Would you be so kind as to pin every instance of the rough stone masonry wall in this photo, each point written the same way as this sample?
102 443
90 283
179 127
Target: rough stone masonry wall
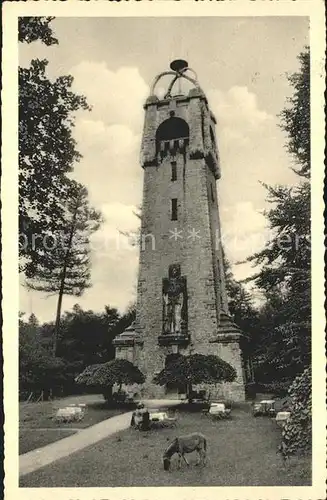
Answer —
195 256
231 353
199 269
159 249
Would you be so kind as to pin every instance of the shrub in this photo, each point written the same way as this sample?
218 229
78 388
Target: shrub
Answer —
251 390
296 434
195 369
279 388
105 375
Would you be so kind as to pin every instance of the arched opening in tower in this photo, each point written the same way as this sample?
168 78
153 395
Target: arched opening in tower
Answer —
172 136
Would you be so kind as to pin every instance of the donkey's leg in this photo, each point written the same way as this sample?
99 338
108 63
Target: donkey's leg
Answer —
201 460
185 459
204 452
179 460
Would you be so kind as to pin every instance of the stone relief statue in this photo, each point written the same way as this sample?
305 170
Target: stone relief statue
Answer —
174 302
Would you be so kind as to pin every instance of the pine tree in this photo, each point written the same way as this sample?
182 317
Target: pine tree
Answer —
66 267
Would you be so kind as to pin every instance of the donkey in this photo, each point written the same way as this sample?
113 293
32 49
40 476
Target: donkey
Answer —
186 444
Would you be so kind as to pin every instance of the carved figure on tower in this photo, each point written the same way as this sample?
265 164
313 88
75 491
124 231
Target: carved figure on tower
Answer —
174 302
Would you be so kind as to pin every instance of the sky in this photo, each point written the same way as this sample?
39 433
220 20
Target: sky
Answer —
242 66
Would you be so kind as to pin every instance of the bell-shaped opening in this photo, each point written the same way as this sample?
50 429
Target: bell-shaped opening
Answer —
173 128
172 136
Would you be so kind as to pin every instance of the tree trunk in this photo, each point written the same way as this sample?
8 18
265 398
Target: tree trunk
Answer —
46 395
62 285
107 393
58 314
189 391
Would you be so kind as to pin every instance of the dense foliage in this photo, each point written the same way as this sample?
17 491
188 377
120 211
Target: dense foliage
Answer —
31 29
195 369
55 218
47 149
86 339
68 254
240 303
116 371
297 432
296 116
284 347
38 370
66 267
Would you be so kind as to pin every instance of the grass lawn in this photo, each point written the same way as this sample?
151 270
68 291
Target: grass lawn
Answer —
241 452
38 428
35 438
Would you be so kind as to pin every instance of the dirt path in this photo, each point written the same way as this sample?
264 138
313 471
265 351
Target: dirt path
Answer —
35 459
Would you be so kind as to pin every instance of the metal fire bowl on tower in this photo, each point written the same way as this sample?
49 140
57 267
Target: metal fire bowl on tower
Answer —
178 65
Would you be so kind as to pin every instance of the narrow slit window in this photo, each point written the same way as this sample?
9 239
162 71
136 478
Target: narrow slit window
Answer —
212 193
173 171
174 209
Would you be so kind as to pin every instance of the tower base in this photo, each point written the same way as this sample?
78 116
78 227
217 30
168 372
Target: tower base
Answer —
225 344
231 391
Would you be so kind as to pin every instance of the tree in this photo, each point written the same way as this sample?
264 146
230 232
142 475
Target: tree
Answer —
286 259
87 374
31 29
285 262
297 431
86 340
195 369
86 336
116 371
66 269
283 347
295 118
38 371
285 278
240 302
47 149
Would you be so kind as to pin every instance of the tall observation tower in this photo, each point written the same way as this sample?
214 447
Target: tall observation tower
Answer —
181 296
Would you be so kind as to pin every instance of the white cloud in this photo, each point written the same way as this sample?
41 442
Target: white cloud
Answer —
238 108
110 164
245 218
244 231
120 221
122 216
249 147
95 134
116 97
238 115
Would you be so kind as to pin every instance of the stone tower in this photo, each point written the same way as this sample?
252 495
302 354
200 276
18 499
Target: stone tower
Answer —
181 297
